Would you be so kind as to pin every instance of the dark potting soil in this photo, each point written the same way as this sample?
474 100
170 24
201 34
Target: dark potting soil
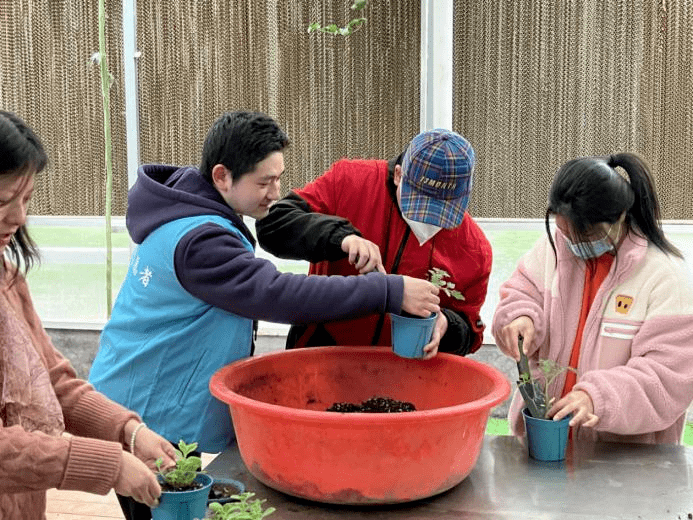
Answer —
219 491
374 405
177 489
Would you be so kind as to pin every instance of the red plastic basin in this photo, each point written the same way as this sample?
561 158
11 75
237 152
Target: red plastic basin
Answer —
290 443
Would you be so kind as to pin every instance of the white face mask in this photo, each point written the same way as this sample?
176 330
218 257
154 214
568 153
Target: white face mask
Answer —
422 231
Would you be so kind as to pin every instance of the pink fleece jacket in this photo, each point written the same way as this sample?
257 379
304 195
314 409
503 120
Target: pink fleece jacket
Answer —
32 462
636 356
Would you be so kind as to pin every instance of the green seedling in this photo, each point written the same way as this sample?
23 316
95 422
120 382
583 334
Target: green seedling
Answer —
187 466
533 390
243 509
437 277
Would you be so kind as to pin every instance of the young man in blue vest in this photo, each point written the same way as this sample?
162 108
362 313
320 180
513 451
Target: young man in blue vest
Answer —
195 288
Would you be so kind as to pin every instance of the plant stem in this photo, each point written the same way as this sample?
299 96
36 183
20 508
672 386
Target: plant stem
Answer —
105 93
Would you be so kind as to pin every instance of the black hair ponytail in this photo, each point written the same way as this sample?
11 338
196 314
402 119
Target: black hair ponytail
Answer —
644 215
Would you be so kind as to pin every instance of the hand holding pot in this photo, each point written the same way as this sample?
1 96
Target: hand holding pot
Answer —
150 446
579 403
522 326
420 297
136 480
441 326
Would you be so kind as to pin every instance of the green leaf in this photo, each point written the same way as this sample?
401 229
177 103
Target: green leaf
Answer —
355 23
244 509
313 27
358 5
457 295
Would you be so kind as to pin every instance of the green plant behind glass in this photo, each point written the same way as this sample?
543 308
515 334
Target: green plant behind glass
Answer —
342 31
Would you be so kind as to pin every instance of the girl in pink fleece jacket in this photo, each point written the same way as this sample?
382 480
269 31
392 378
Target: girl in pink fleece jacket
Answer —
608 294
40 395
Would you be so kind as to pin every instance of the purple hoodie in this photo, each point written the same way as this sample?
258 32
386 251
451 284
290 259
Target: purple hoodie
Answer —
213 265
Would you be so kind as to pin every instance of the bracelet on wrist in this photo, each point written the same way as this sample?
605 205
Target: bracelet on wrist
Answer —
134 435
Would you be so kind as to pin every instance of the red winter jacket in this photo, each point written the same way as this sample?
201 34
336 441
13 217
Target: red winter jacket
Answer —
358 196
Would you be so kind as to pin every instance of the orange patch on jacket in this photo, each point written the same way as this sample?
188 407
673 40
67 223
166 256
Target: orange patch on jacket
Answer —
623 303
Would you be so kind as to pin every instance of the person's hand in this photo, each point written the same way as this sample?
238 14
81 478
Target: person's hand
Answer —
439 330
364 255
136 480
150 446
508 340
420 297
580 404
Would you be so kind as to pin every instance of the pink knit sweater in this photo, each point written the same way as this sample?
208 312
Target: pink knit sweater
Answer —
32 462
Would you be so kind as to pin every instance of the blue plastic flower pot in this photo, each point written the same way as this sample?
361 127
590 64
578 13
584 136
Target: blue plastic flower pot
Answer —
184 505
547 439
239 487
410 335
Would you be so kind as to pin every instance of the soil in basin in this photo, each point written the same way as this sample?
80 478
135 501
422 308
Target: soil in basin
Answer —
375 404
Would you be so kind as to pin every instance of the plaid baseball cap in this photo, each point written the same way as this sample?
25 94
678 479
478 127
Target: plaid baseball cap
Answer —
437 178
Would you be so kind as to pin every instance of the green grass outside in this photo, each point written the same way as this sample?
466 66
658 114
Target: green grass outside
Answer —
497 427
78 292
64 236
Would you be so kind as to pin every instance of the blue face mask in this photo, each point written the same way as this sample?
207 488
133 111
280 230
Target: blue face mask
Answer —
593 249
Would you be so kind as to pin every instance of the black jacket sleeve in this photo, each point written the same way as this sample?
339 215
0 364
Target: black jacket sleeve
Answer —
458 338
291 230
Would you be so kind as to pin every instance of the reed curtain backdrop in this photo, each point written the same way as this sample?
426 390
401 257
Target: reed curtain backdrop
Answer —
540 82
535 82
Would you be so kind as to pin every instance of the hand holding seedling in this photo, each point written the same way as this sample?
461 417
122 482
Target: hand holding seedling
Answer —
522 326
577 402
364 255
420 297
150 446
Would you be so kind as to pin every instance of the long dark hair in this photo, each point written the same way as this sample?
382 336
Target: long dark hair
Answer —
589 190
21 154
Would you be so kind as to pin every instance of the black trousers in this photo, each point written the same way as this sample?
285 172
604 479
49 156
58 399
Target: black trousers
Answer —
134 510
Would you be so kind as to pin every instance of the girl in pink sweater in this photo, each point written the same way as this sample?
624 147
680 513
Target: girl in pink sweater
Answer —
609 295
40 395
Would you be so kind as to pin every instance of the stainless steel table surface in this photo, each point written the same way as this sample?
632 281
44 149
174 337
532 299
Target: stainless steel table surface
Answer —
596 481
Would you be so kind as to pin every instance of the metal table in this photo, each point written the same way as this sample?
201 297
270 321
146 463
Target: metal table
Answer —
596 481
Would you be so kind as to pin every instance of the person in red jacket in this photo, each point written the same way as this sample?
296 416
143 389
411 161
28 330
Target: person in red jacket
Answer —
405 216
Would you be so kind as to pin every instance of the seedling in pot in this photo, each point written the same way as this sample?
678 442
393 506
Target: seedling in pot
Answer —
438 277
182 477
244 509
533 390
